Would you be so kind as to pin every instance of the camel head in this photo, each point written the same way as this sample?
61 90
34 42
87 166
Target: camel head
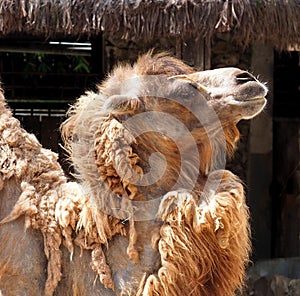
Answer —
206 105
233 93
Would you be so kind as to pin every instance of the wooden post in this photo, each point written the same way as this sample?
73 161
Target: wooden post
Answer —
197 53
260 158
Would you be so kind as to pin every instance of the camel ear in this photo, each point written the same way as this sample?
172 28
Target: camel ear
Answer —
119 105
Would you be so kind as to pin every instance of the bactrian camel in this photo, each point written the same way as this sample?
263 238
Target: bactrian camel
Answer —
153 211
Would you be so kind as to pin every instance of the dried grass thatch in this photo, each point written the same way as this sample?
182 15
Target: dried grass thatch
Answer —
274 21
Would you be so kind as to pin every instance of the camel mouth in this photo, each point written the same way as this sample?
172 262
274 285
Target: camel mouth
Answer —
250 99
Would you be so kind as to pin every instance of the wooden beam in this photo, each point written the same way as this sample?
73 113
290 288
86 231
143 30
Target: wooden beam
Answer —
260 158
55 48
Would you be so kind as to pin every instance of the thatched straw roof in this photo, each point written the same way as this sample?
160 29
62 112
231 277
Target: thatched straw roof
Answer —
276 21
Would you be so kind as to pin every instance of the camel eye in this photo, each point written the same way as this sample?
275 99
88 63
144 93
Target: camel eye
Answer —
187 91
185 96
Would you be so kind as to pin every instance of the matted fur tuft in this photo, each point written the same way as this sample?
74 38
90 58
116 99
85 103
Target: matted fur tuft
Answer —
33 185
204 242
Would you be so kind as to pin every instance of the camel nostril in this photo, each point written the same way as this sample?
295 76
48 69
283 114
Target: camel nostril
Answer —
244 77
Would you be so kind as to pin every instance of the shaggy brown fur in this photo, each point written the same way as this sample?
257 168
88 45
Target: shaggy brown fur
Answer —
33 185
202 237
191 234
33 175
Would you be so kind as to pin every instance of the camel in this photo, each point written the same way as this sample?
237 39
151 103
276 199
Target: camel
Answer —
153 211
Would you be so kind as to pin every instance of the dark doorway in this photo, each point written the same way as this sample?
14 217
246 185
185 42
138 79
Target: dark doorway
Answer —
286 155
